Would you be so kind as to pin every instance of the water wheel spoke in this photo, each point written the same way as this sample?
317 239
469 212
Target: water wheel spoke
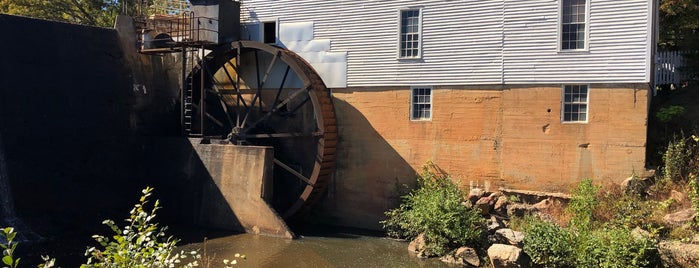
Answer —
269 69
235 85
276 108
209 116
282 135
214 86
281 85
292 171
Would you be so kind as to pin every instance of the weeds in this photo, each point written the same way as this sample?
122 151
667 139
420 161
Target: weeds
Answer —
435 209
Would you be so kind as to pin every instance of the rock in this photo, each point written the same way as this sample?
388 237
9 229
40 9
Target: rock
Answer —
519 210
639 233
543 205
509 236
486 204
464 256
680 217
677 254
418 244
679 196
475 194
635 185
494 224
500 206
506 256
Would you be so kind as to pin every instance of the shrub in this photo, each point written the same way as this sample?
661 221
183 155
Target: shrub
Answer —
582 204
141 243
548 244
679 160
589 242
620 248
435 208
666 114
8 246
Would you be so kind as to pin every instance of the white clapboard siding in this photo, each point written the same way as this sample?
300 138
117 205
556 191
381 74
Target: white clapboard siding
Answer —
473 42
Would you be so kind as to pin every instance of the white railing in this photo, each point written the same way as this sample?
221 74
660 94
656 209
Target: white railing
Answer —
668 68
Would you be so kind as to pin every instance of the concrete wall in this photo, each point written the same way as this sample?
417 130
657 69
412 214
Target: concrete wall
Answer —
242 175
491 137
79 118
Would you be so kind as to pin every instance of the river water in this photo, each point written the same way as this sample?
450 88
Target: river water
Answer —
331 250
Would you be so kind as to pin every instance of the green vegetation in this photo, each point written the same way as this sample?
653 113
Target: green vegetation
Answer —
8 246
588 242
435 209
141 243
100 13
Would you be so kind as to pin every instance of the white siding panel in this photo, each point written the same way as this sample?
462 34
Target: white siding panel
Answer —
471 42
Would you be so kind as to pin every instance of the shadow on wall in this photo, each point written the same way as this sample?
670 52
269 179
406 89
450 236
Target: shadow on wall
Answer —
370 174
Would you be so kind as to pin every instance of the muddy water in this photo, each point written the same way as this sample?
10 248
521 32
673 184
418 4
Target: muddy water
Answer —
338 250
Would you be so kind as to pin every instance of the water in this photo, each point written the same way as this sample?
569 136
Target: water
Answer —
338 250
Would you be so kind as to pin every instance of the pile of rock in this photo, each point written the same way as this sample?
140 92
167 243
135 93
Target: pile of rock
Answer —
504 244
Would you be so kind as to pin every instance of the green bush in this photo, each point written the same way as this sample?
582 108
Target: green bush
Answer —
8 246
588 242
666 114
435 208
141 243
582 204
679 160
548 244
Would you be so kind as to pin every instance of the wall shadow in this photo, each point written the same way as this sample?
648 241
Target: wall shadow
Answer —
370 175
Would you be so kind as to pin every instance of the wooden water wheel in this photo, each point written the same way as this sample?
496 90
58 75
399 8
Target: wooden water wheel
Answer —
251 93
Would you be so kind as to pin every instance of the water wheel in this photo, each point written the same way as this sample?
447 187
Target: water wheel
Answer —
251 93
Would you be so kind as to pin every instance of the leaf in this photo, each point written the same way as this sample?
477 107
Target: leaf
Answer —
7 260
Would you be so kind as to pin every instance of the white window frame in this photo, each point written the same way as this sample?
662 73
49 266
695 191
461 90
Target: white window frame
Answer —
572 102
413 104
559 42
400 34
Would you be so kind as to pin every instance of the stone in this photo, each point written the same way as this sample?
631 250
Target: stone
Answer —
464 256
678 254
506 256
519 210
494 224
418 244
678 196
635 185
639 233
500 206
680 217
475 194
419 247
543 205
486 204
509 236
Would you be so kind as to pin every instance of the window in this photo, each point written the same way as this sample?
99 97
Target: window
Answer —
575 100
421 103
269 32
573 24
409 44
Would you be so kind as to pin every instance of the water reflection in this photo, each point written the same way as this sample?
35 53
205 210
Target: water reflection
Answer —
313 251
